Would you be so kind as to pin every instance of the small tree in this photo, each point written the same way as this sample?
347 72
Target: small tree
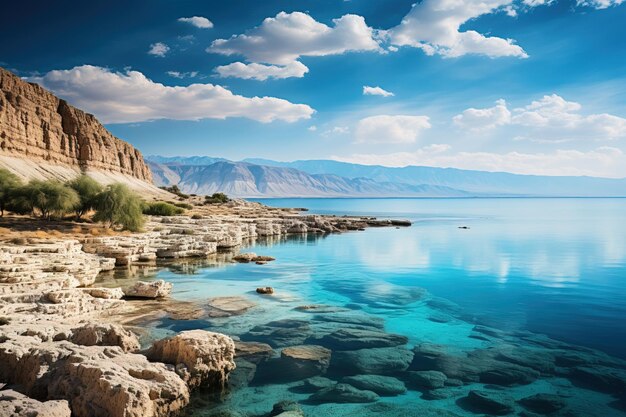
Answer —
216 198
51 198
88 190
118 205
9 182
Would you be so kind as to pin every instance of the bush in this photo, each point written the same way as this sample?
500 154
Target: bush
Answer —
50 198
175 190
184 206
9 182
88 190
161 208
216 198
118 205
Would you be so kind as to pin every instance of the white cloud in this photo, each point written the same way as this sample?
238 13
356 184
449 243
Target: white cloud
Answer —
551 118
599 4
391 129
602 162
376 91
197 21
336 130
434 26
262 72
312 128
116 97
283 39
181 75
484 119
159 49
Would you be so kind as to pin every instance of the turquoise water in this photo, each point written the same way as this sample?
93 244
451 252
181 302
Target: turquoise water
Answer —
529 299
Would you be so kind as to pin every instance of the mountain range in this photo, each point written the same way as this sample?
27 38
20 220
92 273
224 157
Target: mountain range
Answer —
327 178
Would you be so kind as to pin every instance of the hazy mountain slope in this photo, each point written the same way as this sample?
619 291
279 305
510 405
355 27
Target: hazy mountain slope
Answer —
499 183
249 180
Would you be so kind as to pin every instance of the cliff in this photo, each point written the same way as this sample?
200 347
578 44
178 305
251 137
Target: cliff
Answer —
36 126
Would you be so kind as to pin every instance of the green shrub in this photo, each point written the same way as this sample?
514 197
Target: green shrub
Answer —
161 208
216 198
51 198
175 190
118 205
184 206
9 182
88 190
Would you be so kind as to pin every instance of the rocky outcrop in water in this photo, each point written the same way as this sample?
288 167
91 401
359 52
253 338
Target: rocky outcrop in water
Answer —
36 125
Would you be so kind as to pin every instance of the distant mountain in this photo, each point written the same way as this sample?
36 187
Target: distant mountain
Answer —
481 182
324 178
242 179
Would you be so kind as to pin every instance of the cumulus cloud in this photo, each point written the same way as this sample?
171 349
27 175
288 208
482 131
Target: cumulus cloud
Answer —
197 21
434 26
599 4
336 130
376 91
116 97
600 162
283 39
551 118
158 49
391 129
262 72
484 119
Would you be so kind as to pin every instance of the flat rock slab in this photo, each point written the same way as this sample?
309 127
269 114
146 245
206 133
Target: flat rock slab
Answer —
229 306
353 339
343 393
381 385
380 361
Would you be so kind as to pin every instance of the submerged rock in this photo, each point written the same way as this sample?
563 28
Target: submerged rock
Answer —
381 385
154 289
317 383
428 379
379 361
352 339
229 306
343 393
305 361
254 352
490 403
265 290
280 333
543 403
201 358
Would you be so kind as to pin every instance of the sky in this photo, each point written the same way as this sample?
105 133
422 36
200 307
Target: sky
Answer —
524 86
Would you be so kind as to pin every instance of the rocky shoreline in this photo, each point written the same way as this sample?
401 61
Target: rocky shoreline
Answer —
62 350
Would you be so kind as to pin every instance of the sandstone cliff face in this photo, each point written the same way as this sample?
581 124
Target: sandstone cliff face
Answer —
36 125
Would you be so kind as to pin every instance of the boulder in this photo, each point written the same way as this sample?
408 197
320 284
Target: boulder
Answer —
428 379
201 358
379 361
14 404
343 393
305 361
489 403
97 381
153 289
104 335
381 385
254 352
265 290
353 339
543 403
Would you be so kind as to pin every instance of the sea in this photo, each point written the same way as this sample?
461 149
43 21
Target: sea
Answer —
504 306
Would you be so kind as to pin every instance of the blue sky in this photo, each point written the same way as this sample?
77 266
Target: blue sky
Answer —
528 86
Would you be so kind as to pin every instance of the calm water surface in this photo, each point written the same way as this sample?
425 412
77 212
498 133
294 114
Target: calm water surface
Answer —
528 267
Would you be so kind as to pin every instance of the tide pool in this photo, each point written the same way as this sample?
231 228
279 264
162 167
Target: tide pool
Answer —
520 300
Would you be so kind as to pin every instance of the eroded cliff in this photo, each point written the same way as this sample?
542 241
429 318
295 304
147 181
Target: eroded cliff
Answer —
35 125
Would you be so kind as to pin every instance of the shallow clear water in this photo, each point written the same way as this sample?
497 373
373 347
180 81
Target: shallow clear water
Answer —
526 267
